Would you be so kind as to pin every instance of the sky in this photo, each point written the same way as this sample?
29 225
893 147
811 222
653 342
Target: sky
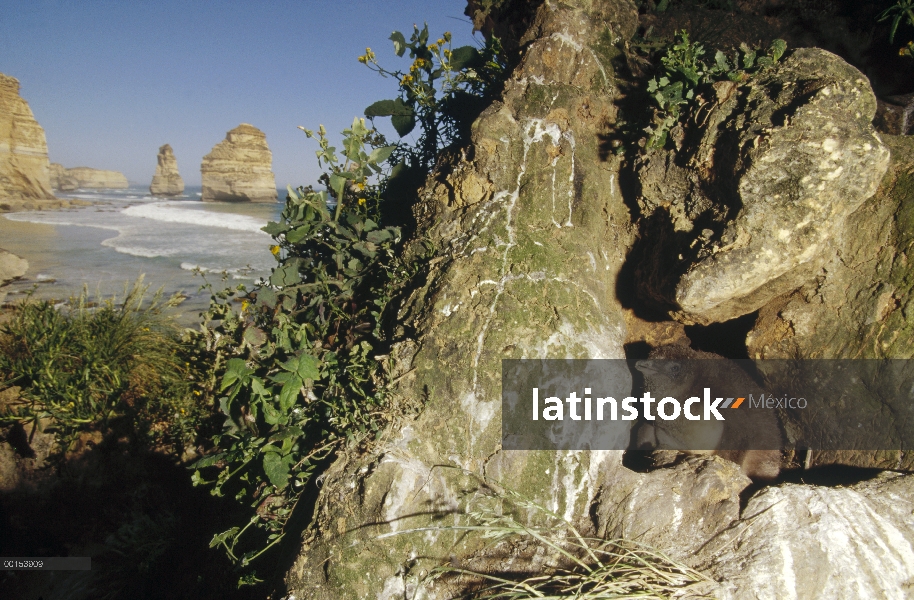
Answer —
111 81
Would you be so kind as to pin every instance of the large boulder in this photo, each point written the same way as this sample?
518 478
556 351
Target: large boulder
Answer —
166 181
23 148
805 542
781 163
239 168
11 267
859 305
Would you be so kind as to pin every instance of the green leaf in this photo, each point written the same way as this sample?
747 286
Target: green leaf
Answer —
307 367
221 538
270 414
381 235
777 50
399 42
464 57
285 275
289 393
387 108
298 234
274 229
267 297
207 461
403 124
379 155
235 370
287 432
276 469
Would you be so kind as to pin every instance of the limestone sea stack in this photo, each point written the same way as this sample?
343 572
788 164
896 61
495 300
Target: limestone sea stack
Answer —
166 181
87 178
61 180
24 167
239 168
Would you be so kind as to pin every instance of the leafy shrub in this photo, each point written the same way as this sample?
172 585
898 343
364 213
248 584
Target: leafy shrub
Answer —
684 73
85 366
301 367
445 111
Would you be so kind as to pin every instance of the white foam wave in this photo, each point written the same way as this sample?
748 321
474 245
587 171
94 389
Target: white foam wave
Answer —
138 250
168 213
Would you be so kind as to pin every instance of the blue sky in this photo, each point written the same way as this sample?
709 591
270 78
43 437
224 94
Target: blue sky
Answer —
111 81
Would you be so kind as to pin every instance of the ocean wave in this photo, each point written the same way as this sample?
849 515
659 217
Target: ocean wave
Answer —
168 213
138 250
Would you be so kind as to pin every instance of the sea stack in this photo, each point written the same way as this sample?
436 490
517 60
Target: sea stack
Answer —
166 181
24 166
239 168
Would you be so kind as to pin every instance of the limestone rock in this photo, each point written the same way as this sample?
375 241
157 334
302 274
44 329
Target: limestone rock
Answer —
11 267
61 180
859 306
786 158
239 168
531 233
23 147
166 181
804 542
87 178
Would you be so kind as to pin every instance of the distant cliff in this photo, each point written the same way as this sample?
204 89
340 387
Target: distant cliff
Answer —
167 180
239 168
98 178
23 148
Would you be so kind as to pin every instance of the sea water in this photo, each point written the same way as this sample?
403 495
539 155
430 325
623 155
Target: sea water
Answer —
128 233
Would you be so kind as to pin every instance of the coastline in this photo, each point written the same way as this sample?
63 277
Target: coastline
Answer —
10 205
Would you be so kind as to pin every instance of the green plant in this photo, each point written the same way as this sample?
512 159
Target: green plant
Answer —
897 12
684 73
442 91
583 567
88 364
301 368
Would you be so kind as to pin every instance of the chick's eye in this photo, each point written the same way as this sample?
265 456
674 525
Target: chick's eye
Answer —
674 369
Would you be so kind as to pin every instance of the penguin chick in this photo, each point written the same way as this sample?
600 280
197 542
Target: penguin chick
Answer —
682 372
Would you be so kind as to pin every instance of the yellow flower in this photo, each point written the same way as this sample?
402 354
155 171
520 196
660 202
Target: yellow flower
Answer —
363 59
244 305
275 250
406 80
196 393
360 185
440 42
447 54
369 54
361 201
434 47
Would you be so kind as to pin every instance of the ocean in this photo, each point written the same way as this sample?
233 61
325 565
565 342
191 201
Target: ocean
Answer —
129 233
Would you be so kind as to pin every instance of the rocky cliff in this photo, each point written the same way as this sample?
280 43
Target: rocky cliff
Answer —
543 242
239 168
166 181
23 148
97 178
61 180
